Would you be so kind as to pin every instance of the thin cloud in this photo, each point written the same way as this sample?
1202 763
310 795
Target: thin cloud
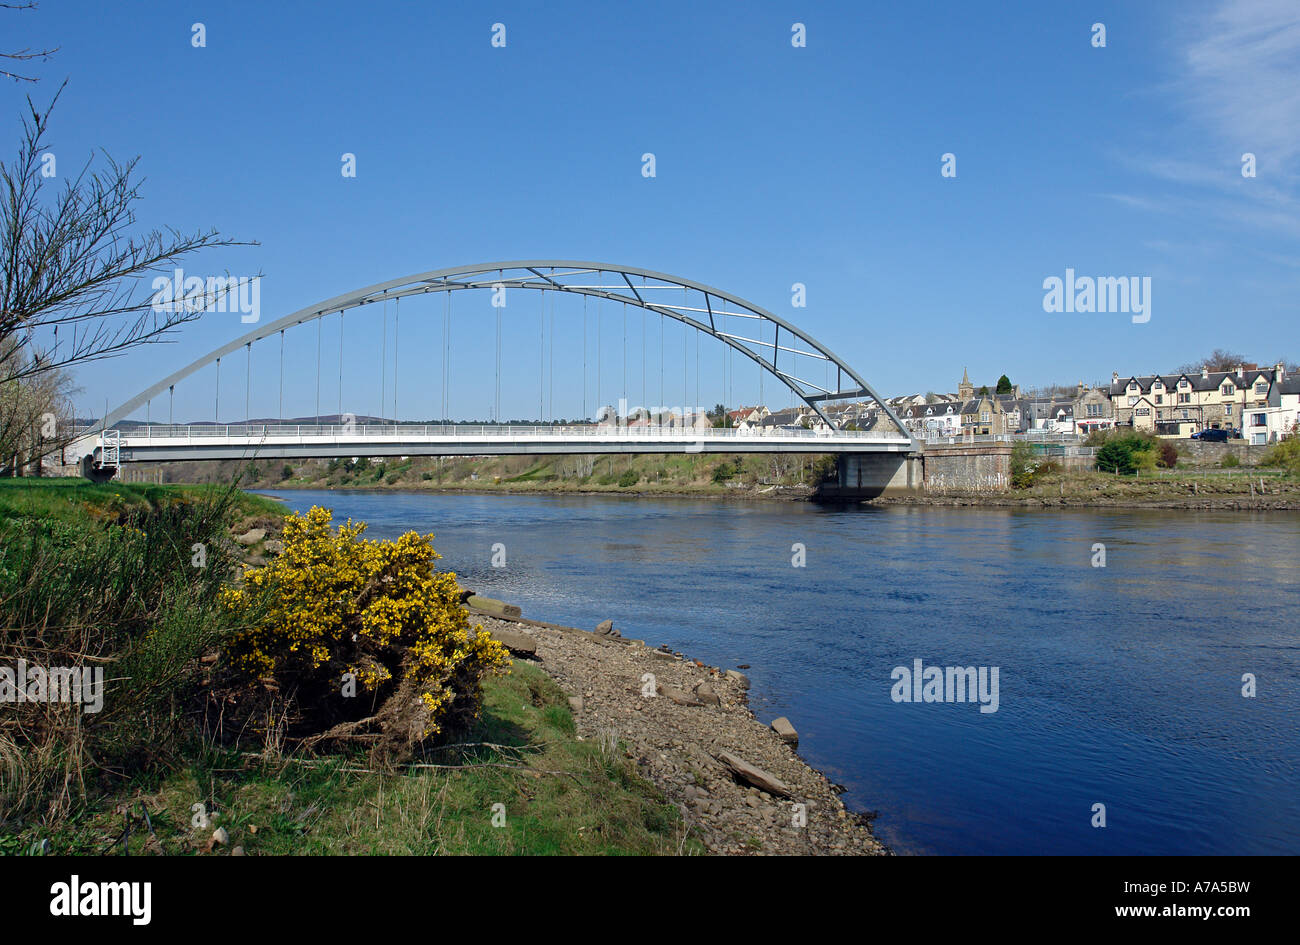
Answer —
1243 77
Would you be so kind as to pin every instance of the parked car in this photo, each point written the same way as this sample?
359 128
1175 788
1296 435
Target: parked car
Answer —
1212 436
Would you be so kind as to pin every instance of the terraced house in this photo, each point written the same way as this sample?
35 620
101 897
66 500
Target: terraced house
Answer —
1182 404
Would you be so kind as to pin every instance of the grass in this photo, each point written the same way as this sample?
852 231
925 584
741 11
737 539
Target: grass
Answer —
71 499
131 593
587 802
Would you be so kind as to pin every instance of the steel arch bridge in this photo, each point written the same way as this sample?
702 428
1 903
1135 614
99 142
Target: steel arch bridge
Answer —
707 309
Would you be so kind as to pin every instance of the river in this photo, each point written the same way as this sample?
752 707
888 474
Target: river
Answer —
1119 686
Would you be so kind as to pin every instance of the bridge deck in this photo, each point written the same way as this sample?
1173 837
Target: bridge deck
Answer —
215 441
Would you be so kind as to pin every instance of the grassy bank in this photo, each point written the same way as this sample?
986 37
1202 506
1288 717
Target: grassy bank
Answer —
1264 488
650 474
103 575
559 795
72 500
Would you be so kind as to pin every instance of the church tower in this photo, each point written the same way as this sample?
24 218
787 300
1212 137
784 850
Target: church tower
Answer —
965 390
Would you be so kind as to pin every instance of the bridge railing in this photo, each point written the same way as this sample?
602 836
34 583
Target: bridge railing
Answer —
407 431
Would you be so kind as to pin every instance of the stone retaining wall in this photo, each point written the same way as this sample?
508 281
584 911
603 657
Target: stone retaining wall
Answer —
967 467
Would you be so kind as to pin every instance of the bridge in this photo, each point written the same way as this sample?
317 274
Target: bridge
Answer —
743 331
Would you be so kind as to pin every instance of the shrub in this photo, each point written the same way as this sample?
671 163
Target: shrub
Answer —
723 471
334 604
1026 469
286 472
628 479
1230 461
1125 453
1285 454
1168 455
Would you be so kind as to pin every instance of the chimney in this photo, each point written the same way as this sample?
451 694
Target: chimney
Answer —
1279 372
1239 370
1114 376
1205 372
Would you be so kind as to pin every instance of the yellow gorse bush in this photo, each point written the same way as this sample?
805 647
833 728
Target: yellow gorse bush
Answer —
333 603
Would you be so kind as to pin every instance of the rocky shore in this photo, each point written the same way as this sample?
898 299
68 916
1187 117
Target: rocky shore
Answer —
739 784
1010 500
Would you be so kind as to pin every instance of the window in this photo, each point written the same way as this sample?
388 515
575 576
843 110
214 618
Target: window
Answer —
1227 410
1132 401
1228 390
1184 398
1261 389
1132 387
1258 419
1184 384
1160 398
984 417
1094 410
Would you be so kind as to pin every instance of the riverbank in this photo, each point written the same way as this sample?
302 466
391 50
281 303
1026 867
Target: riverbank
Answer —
1255 489
685 725
581 758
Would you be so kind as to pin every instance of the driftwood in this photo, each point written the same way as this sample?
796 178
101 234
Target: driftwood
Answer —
494 607
748 773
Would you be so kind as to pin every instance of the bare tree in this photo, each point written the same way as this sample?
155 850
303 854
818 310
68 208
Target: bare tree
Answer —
22 55
73 267
35 419
1220 359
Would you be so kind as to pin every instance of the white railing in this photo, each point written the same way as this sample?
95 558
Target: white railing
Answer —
409 431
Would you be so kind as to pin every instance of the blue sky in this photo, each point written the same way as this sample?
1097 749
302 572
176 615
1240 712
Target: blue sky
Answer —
775 165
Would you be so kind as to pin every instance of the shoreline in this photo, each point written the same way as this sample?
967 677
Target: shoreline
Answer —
777 493
684 737
1051 503
1228 503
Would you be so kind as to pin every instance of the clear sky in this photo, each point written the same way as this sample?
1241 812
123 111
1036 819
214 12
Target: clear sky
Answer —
774 165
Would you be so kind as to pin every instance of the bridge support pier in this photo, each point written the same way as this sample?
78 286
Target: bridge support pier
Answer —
868 475
96 474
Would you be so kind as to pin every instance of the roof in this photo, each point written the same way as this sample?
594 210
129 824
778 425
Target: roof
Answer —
1212 381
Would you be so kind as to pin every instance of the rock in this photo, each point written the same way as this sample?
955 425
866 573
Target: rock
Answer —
677 696
704 692
274 546
220 837
750 774
252 536
575 703
660 654
606 629
520 644
738 678
237 851
785 730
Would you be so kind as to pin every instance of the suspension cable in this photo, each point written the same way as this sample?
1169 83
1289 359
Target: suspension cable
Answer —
541 363
383 365
584 356
397 350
